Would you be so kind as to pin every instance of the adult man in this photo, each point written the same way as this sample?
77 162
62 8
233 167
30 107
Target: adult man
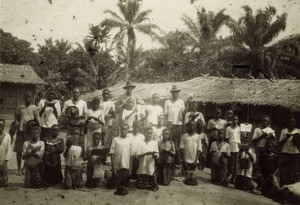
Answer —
75 101
174 109
23 114
49 111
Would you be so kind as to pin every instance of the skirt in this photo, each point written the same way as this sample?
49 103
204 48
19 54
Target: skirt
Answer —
73 178
34 176
147 182
3 176
90 181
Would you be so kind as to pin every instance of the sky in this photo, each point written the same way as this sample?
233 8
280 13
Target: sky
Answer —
37 20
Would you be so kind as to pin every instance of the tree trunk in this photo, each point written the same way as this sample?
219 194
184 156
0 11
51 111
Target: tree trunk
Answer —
130 51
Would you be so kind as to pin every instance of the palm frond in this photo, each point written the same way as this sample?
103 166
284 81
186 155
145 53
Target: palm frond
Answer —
114 15
111 23
275 28
148 29
142 16
192 27
219 20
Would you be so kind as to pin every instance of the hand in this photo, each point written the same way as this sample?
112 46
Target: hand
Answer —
5 162
289 136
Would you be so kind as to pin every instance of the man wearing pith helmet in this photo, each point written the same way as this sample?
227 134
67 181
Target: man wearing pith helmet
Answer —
174 109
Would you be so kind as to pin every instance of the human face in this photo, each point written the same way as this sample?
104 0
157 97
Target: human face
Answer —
235 120
96 139
175 94
229 114
105 95
76 132
148 134
129 90
28 99
214 134
35 134
124 130
54 131
221 135
76 94
218 114
95 106
50 95
136 127
265 121
155 99
160 120
292 123
190 127
194 107
166 135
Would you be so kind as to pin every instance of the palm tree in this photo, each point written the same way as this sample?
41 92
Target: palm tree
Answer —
253 32
205 29
132 19
63 45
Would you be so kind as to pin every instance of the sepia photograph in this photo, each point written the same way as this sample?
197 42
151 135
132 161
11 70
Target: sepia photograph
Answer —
167 102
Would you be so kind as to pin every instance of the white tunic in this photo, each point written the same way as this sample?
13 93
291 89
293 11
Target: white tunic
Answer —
147 163
121 148
190 144
80 104
48 118
153 112
174 110
288 146
5 148
234 136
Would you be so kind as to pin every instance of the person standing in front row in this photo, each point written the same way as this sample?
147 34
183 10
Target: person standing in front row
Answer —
49 111
174 109
121 152
153 111
107 105
24 113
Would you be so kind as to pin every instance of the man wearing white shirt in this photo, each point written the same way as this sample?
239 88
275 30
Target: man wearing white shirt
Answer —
75 101
174 109
153 111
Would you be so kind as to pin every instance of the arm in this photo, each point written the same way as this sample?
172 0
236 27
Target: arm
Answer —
172 150
251 155
60 146
42 106
8 150
283 137
256 139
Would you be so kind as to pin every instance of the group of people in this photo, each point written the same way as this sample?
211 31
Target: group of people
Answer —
147 143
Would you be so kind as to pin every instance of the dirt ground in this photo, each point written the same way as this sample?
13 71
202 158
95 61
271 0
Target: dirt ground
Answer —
177 193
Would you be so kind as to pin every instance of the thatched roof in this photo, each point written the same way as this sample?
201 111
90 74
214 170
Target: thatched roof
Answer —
19 74
284 93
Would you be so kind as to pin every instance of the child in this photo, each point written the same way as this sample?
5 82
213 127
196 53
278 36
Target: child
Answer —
217 122
95 155
190 147
229 114
129 113
233 137
94 121
165 162
289 153
33 151
147 153
157 129
246 158
220 154
153 111
213 136
5 151
204 142
109 130
53 148
137 138
121 152
74 156
193 114
269 182
74 120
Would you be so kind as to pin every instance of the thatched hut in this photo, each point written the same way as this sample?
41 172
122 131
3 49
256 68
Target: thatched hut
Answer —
251 98
15 80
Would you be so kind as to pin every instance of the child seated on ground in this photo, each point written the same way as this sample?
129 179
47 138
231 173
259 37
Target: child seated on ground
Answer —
165 162
220 154
136 139
95 156
246 158
121 152
191 148
147 153
74 156
33 151
157 129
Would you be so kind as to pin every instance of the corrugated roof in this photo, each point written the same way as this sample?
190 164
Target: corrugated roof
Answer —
20 74
283 92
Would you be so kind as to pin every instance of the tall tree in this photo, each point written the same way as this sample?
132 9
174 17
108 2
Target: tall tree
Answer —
204 30
16 51
131 19
253 32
